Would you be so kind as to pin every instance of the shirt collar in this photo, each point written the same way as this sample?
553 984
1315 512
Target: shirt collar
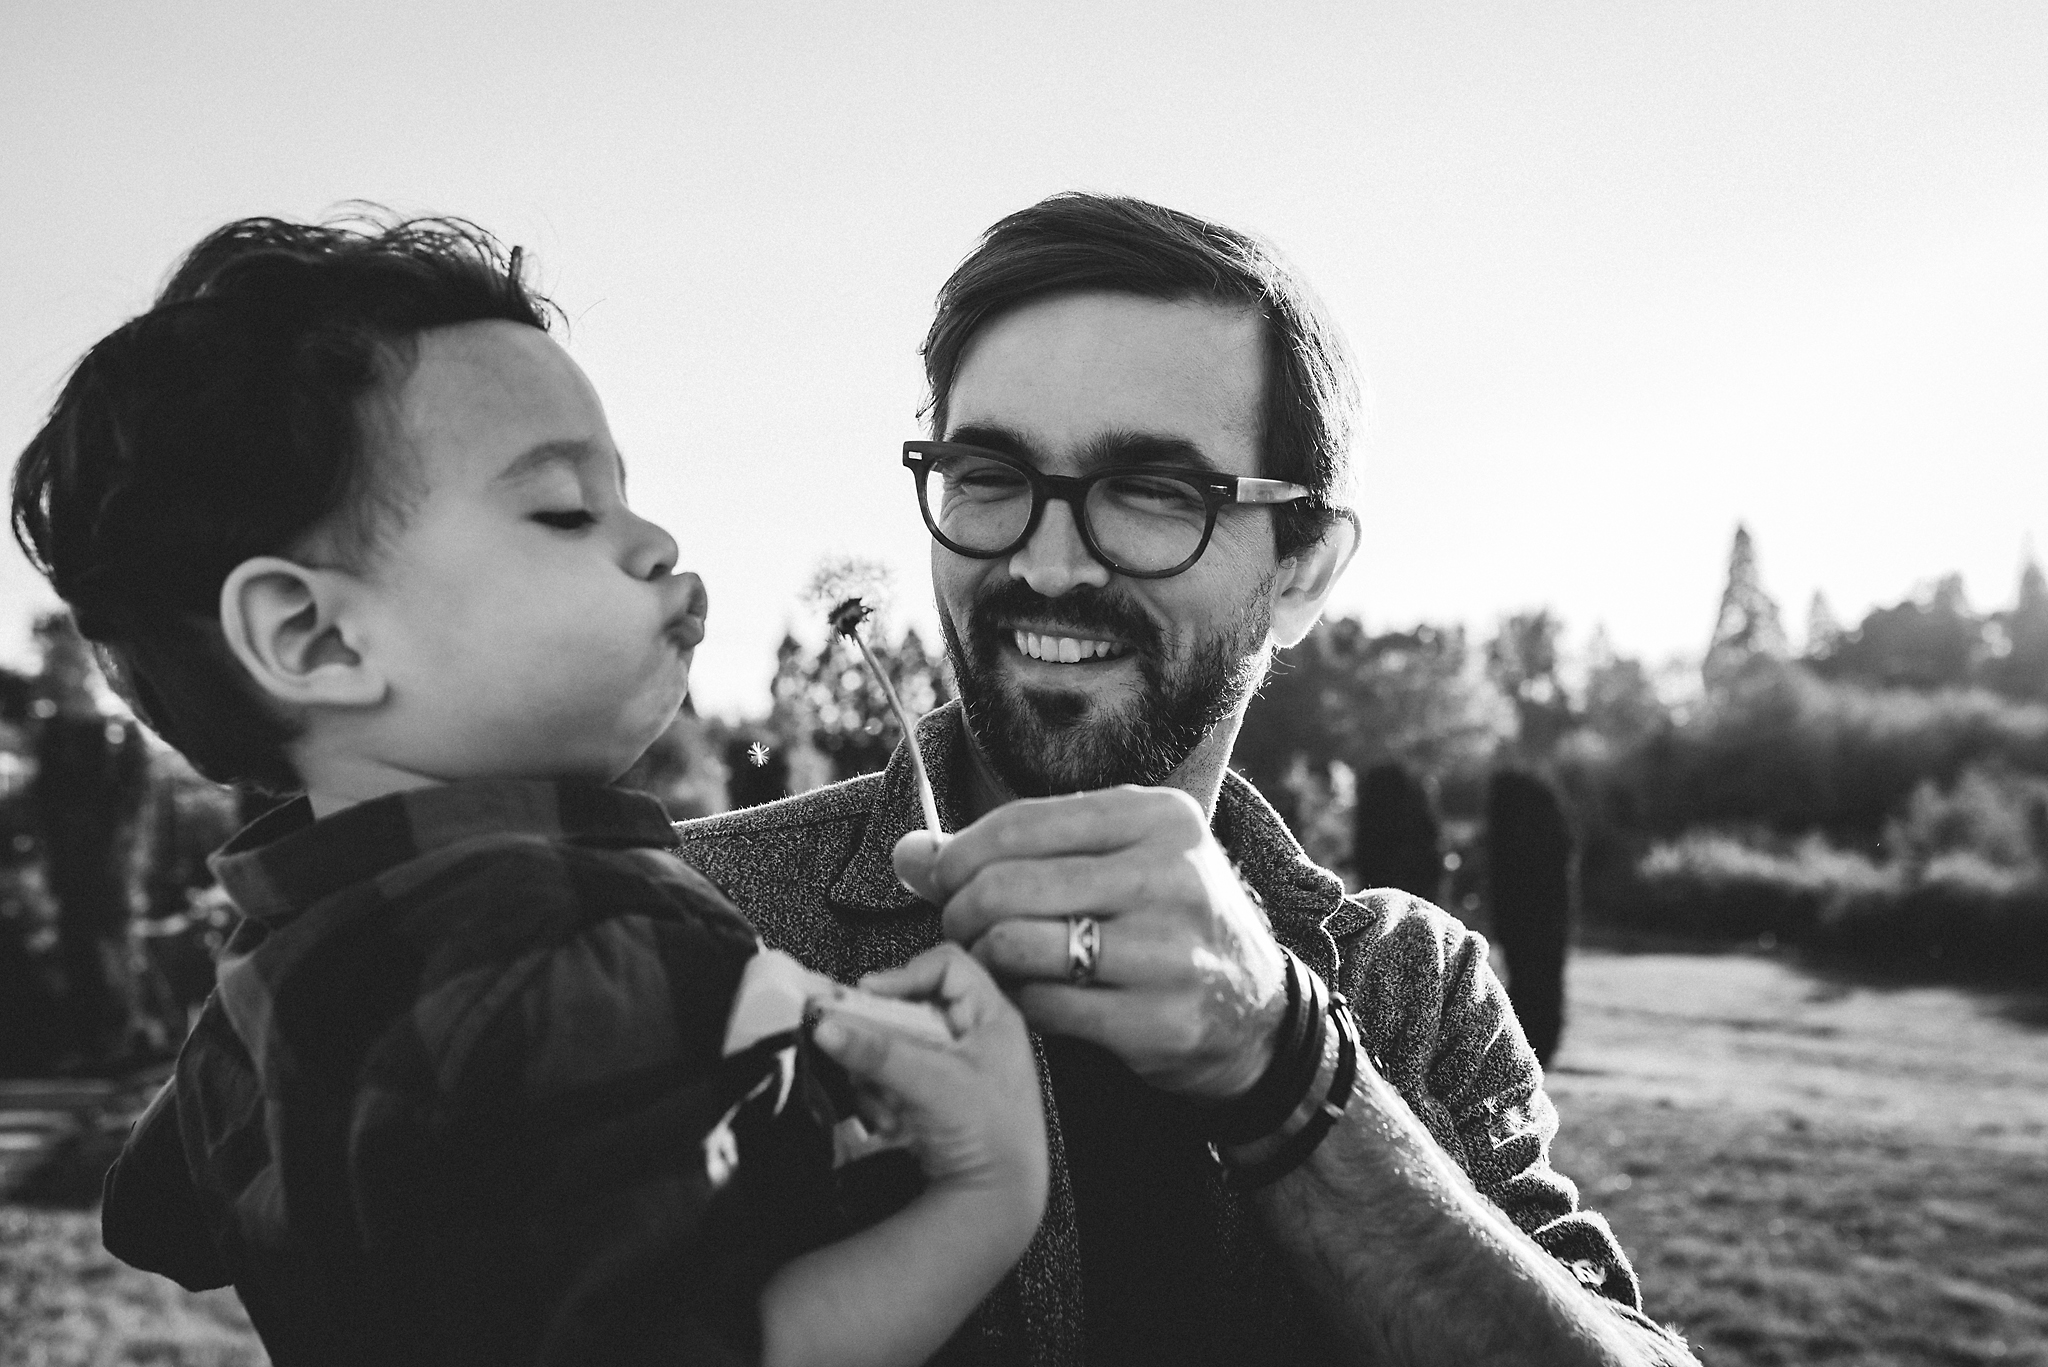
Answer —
1305 902
286 861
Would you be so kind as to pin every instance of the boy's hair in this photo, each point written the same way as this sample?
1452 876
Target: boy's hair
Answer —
233 420
1076 241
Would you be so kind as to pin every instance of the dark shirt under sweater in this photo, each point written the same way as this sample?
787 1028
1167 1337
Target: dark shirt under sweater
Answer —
460 1095
1155 1291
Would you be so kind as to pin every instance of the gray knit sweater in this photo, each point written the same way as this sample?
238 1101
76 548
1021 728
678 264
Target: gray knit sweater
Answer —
814 874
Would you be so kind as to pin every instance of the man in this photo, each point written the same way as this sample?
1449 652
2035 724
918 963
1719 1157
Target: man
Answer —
1136 495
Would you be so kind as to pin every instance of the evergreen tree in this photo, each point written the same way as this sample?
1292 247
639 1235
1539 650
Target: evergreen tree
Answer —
2023 671
1532 876
1396 839
1823 632
92 774
1748 626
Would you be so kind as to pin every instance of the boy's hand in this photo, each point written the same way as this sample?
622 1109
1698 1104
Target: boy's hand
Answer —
970 1109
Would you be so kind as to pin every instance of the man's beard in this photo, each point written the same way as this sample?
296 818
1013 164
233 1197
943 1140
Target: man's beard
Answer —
1044 741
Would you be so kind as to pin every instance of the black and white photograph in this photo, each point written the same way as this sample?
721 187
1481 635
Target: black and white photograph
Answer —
1051 685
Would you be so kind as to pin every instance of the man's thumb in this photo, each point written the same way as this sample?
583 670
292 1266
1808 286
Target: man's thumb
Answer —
916 858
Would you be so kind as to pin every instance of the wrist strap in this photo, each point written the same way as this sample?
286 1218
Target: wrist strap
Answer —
1297 1053
1298 1146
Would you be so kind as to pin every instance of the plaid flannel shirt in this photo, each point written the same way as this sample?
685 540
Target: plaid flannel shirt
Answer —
449 1101
814 872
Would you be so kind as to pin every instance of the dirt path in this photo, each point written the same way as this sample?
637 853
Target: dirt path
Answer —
1803 1171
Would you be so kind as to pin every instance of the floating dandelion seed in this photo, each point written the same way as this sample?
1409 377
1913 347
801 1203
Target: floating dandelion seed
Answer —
845 618
757 754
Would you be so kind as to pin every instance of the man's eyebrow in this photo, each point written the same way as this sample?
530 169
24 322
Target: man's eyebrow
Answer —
1143 448
536 458
994 438
1120 447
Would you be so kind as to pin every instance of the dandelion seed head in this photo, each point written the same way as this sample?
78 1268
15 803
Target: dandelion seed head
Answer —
840 577
757 754
847 614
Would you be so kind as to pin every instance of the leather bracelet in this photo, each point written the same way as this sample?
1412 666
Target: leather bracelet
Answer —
1295 1150
1297 1053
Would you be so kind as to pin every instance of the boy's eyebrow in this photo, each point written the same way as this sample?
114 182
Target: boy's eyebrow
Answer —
569 451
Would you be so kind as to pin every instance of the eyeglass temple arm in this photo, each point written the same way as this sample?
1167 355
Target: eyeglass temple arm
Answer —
1250 490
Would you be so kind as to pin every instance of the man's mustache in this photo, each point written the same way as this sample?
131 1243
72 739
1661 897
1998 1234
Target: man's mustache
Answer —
1087 611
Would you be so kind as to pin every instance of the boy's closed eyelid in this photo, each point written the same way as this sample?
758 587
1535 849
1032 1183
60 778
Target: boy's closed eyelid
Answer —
565 519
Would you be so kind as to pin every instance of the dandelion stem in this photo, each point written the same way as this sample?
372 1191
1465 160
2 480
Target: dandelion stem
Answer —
924 780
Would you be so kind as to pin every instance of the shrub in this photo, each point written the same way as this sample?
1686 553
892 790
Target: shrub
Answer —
1791 753
1723 886
1960 911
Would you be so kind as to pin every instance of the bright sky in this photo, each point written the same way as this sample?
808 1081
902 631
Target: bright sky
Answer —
1619 273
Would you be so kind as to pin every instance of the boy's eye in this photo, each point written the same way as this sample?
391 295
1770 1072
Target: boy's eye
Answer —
568 520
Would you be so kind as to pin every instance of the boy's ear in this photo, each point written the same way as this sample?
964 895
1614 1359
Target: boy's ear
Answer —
292 629
1305 579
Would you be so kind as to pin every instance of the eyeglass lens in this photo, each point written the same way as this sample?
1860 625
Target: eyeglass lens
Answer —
1142 522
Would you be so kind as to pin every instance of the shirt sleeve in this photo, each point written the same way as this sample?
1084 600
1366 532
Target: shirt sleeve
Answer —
1446 1036
150 1213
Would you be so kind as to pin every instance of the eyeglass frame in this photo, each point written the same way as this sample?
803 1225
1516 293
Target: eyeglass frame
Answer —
1218 492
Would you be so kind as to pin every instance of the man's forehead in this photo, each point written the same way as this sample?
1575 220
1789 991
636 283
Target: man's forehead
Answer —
1060 372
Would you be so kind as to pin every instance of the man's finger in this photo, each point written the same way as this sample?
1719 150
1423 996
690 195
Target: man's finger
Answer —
916 857
1127 954
1073 823
1104 886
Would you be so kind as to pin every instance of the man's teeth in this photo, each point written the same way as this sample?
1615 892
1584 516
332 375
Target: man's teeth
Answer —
1065 649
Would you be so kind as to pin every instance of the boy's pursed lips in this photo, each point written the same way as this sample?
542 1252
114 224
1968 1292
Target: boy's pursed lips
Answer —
685 626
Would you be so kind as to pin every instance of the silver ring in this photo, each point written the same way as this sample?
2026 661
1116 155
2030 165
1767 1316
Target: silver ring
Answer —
1084 947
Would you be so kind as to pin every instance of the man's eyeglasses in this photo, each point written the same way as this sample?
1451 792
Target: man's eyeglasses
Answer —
1144 521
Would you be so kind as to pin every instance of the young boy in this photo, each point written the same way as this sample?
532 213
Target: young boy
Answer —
345 521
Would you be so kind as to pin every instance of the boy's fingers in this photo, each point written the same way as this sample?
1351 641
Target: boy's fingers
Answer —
861 1051
945 974
923 977
896 1064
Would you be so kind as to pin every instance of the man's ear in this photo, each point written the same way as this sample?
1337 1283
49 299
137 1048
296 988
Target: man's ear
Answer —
291 628
1304 580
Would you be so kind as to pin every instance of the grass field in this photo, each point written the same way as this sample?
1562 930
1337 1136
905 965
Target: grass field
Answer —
1804 1170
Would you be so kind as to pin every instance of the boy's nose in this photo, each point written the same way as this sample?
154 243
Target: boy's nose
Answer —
653 554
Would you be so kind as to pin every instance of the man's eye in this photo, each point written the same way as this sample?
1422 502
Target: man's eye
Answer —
569 520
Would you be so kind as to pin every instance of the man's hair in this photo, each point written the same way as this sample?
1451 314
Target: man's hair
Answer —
234 419
1077 242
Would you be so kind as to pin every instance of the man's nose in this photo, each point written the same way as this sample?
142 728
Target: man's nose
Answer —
1055 559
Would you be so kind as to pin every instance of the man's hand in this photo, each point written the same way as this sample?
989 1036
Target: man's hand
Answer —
1188 988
